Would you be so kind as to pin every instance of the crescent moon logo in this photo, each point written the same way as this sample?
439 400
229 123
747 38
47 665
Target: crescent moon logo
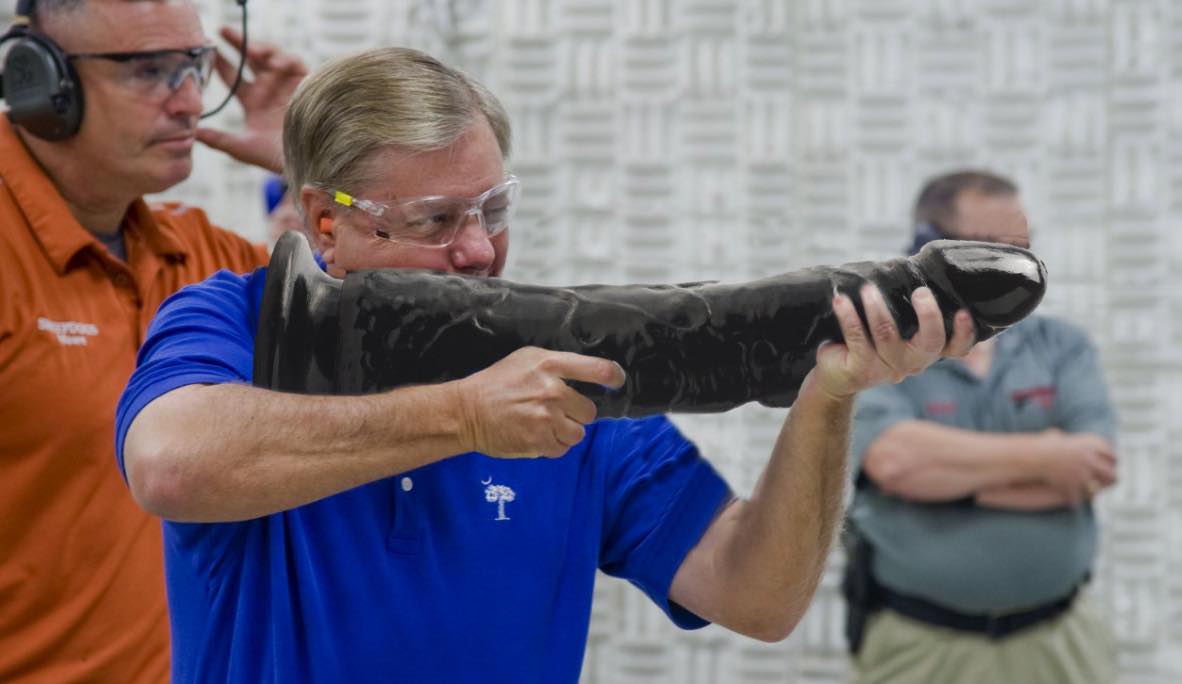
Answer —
488 481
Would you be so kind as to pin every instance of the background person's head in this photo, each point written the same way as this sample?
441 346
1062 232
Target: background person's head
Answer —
970 205
385 126
137 133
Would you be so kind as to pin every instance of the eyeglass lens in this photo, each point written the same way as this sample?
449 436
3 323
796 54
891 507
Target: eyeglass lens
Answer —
439 220
161 74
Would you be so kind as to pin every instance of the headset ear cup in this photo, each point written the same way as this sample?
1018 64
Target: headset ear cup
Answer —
77 102
925 232
41 88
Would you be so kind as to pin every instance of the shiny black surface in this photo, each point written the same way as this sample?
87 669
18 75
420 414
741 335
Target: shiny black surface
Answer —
701 347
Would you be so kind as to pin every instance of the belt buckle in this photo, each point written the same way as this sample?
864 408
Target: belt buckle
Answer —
995 625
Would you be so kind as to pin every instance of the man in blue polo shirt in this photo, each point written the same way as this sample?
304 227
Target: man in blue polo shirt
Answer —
415 535
974 488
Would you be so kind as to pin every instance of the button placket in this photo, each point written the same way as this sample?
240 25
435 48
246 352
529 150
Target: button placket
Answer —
406 533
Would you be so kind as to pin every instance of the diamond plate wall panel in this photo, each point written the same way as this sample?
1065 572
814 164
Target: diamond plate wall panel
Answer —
674 140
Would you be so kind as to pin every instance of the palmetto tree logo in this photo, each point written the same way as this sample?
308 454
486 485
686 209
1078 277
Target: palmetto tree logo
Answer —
500 495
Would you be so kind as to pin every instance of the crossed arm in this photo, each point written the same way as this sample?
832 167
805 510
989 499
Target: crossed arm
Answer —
927 462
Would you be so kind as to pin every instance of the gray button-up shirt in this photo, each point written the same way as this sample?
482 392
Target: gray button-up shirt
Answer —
976 559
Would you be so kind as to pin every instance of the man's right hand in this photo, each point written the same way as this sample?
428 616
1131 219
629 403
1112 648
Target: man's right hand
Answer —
264 98
522 407
1080 464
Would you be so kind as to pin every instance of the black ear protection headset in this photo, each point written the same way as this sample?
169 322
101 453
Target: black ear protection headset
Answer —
39 83
925 232
41 87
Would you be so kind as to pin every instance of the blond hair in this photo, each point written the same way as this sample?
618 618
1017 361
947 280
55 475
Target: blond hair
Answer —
358 105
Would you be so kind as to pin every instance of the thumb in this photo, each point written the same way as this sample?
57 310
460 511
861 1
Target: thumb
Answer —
265 152
218 140
829 348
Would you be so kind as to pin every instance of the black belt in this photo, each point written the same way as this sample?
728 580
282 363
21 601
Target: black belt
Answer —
993 626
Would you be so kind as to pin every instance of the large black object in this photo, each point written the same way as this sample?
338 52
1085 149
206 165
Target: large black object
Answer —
699 347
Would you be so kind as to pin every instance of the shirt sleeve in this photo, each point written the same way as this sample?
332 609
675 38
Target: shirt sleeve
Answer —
877 409
203 334
661 497
210 247
1081 395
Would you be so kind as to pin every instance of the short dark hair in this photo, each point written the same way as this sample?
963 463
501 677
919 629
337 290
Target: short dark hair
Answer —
936 204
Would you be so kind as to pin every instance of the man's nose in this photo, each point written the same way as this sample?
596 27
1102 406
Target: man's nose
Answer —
472 249
185 98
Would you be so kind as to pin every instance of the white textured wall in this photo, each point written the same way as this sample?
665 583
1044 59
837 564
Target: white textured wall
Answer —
667 140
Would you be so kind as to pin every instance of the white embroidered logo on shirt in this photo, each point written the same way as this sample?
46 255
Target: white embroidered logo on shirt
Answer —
69 333
500 495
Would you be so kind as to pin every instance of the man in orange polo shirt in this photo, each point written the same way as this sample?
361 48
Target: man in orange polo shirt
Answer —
84 263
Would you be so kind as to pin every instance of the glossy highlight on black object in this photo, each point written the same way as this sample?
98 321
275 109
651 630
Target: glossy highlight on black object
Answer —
699 347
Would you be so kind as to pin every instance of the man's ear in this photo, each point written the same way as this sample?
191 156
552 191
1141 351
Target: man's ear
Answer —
320 223
326 239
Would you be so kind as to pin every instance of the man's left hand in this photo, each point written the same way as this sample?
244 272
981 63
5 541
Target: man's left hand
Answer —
264 98
869 358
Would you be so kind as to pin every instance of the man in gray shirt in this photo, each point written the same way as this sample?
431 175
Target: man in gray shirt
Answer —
972 514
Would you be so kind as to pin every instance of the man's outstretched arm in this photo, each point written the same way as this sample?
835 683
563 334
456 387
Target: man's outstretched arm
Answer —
208 453
757 566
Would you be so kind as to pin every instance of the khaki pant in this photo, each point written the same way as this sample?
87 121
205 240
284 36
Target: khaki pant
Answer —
1077 647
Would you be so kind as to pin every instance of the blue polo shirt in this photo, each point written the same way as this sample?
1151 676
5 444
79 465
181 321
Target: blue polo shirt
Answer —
471 569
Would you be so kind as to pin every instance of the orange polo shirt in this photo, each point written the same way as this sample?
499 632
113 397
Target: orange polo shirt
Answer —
81 565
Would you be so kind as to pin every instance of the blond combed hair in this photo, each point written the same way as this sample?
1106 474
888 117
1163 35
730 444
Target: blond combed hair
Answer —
357 106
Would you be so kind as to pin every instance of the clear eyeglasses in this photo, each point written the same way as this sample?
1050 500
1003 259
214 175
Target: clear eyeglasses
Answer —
157 73
436 221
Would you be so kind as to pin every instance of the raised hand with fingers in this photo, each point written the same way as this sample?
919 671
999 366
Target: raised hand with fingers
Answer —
522 406
264 98
878 355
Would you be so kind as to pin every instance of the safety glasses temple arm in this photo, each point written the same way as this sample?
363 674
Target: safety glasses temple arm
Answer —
345 199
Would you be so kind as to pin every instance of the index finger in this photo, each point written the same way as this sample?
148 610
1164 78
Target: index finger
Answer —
930 335
571 366
256 53
232 36
1105 448
964 334
854 334
227 70
1106 472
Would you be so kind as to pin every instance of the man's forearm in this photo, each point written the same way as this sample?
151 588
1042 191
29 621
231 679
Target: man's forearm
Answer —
924 461
768 552
231 452
1024 497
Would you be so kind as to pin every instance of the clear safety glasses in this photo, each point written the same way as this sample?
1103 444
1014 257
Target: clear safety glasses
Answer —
435 221
157 73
